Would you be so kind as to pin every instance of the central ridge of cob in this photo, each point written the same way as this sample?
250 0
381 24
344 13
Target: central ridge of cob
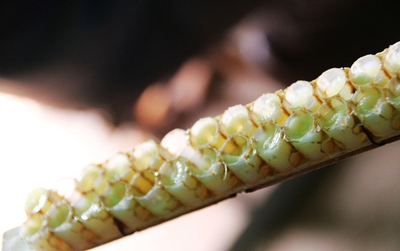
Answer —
245 147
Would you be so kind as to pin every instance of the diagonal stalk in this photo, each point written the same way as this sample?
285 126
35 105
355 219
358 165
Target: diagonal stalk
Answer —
309 125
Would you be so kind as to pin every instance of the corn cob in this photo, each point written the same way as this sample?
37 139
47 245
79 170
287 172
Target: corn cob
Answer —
283 134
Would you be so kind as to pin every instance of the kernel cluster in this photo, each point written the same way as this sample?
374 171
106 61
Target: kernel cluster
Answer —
279 133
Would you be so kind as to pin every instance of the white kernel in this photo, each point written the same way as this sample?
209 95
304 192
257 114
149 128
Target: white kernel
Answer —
331 82
203 131
365 69
175 141
66 187
177 144
298 94
117 165
234 119
392 58
37 201
267 107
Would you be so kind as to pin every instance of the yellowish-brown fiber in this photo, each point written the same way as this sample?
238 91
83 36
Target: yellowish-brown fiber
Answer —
280 135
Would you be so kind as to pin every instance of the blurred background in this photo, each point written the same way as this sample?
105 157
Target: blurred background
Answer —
80 81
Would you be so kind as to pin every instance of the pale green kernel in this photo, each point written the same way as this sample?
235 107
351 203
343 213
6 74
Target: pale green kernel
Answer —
336 120
368 103
91 213
234 119
298 125
118 167
218 179
177 180
268 135
100 184
203 131
37 201
58 215
211 172
376 114
386 111
331 82
169 174
87 179
378 125
84 204
175 172
301 131
254 160
332 114
208 159
63 224
114 193
146 155
272 148
158 201
236 155
365 69
120 203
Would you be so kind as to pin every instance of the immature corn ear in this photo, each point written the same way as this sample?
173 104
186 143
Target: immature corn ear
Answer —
279 135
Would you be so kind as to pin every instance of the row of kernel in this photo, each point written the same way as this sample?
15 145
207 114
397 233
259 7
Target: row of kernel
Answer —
230 137
307 121
288 131
313 117
336 116
134 189
37 229
97 197
205 163
375 78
